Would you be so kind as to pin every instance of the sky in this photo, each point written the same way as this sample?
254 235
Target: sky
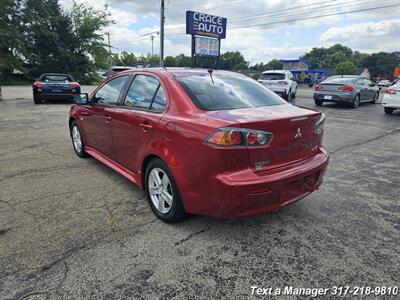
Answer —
367 31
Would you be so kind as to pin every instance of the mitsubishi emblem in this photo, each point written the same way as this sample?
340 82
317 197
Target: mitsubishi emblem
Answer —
298 134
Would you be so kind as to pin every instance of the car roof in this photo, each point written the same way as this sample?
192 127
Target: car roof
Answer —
55 74
276 71
181 71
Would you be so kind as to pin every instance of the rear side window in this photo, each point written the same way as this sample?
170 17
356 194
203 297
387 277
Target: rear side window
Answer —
109 93
273 76
221 92
146 92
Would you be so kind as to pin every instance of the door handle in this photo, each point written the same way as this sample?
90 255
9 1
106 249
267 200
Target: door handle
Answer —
146 126
108 119
85 113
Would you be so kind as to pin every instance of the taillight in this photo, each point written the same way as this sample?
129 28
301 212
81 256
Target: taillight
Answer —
319 87
319 125
73 84
38 83
283 82
232 136
390 91
346 88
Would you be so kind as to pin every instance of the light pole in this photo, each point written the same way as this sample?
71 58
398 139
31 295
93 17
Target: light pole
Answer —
152 40
109 49
162 34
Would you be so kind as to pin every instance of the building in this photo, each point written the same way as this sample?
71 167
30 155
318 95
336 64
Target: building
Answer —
301 70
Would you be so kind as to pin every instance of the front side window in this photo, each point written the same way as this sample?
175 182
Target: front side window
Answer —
219 92
145 92
109 93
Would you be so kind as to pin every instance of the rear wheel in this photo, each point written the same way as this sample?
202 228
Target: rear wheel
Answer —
36 99
388 110
318 102
376 96
356 101
162 192
294 94
289 95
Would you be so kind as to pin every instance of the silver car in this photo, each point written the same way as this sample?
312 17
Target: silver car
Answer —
346 89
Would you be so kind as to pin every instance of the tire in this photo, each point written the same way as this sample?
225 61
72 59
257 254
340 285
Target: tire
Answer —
294 94
77 141
160 185
388 110
356 101
318 102
376 96
36 99
289 96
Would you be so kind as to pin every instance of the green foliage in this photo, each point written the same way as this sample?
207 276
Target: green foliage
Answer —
329 57
274 64
381 64
10 36
38 36
345 68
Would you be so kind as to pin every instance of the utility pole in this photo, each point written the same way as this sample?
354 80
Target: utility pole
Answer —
109 49
162 34
152 40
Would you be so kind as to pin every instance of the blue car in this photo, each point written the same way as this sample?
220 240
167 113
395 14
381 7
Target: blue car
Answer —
54 86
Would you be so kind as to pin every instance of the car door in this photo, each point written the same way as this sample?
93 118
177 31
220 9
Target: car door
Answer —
371 88
136 118
98 122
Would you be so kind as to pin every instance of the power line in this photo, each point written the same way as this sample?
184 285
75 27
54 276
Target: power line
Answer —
315 9
314 17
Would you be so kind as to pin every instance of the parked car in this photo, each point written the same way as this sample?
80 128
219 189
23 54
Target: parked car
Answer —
116 69
391 98
384 83
347 89
55 86
202 142
281 82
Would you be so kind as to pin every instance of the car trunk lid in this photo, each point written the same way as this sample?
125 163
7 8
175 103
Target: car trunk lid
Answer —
293 130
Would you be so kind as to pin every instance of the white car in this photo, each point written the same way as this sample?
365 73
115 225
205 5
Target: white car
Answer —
391 99
281 82
383 83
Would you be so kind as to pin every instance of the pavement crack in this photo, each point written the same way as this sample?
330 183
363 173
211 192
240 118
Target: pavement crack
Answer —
367 141
3 231
190 236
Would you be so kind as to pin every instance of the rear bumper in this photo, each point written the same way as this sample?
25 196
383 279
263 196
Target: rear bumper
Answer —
392 101
53 96
246 193
335 97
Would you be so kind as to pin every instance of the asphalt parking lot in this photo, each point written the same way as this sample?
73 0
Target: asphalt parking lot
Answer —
71 228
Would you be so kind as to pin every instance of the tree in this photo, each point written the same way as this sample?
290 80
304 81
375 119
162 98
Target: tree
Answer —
381 64
273 64
169 61
328 57
128 59
233 60
345 68
10 37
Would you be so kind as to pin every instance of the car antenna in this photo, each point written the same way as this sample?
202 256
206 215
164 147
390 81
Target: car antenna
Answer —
210 71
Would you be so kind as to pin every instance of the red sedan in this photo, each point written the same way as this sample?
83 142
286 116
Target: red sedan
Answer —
201 141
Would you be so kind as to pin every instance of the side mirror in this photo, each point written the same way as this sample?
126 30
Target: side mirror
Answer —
82 98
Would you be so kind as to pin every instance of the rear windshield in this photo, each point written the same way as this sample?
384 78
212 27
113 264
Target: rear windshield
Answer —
227 92
272 76
56 78
339 80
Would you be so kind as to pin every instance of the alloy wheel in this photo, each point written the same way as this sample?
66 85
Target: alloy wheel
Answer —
76 139
160 190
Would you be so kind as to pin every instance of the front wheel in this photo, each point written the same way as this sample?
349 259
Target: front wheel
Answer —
77 141
388 110
356 101
162 192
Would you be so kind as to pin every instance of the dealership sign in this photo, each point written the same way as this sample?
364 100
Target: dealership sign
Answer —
206 46
206 25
